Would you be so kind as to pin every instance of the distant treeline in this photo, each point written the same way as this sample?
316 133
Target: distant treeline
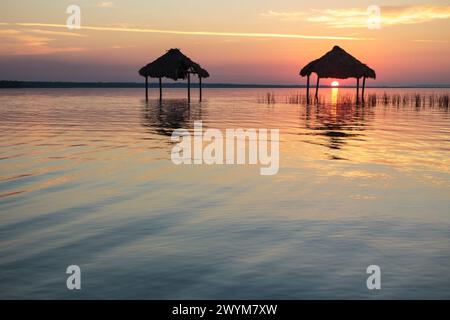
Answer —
6 84
40 84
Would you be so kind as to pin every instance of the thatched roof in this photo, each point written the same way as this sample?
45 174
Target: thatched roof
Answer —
174 65
339 64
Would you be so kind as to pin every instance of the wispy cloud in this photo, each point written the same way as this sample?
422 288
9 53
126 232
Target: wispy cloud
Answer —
289 16
105 4
429 41
189 33
33 42
56 33
8 32
357 17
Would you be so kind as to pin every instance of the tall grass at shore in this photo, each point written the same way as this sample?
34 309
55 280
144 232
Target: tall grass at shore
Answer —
417 100
268 98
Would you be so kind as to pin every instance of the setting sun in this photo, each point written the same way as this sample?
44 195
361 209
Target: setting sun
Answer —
335 84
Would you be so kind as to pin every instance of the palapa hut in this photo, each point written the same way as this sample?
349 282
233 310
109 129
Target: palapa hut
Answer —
173 65
339 64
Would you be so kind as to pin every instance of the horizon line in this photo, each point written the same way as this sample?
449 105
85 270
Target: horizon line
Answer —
5 84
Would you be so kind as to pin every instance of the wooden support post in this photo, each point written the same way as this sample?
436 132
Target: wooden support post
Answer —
307 89
189 86
357 90
363 88
146 88
200 86
317 87
160 89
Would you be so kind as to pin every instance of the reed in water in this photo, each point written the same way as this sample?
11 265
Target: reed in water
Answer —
408 99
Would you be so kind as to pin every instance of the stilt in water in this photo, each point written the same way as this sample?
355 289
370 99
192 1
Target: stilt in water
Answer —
357 90
363 88
317 88
200 86
160 89
307 89
146 88
189 86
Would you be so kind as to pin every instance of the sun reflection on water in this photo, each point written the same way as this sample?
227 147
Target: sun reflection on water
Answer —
334 96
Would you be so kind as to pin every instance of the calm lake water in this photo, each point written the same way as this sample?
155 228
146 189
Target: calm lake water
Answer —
86 179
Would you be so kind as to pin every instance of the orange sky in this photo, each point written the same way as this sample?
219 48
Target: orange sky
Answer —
253 41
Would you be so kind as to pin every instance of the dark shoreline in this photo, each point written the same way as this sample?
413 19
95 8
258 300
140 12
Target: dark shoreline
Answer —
85 85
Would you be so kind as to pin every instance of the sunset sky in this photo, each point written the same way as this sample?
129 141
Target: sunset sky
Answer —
238 41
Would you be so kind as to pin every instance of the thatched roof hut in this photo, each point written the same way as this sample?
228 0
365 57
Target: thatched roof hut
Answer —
173 65
339 64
